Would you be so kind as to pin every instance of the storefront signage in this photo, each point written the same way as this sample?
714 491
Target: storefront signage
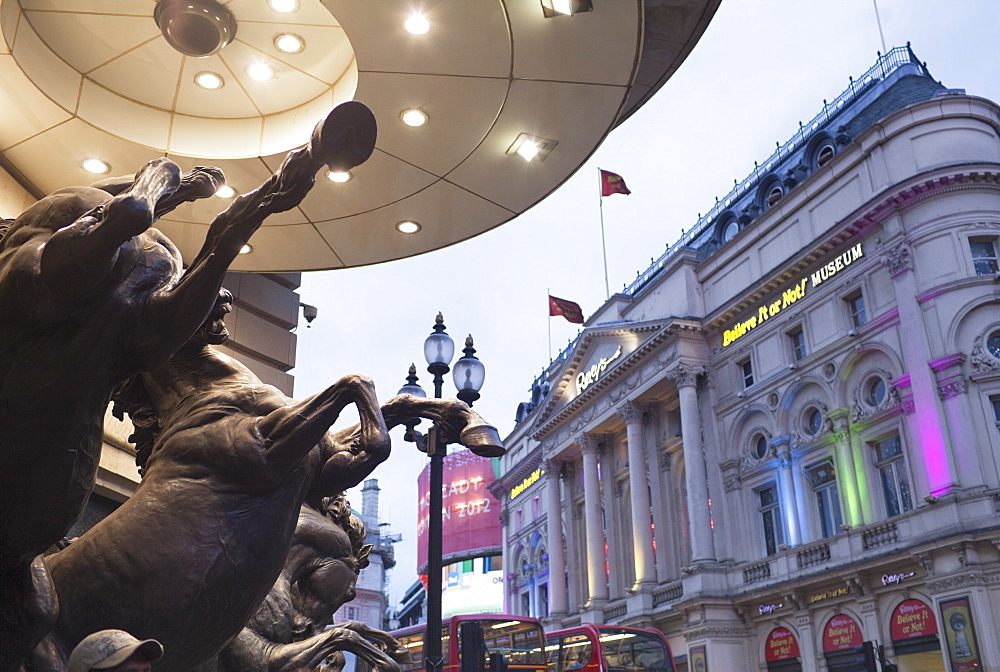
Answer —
587 378
889 579
912 618
526 483
768 608
828 595
842 632
699 659
791 293
781 645
963 649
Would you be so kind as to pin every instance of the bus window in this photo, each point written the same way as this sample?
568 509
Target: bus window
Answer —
633 651
576 652
520 642
414 645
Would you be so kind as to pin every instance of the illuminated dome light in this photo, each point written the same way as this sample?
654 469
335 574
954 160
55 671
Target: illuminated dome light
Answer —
408 226
414 117
289 43
283 6
95 166
196 28
417 24
260 72
225 191
246 249
339 176
209 80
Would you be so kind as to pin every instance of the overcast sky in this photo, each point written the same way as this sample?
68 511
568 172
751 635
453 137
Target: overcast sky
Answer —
761 67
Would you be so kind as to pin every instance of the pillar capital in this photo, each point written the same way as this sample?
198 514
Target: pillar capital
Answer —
552 466
631 412
686 374
589 444
898 259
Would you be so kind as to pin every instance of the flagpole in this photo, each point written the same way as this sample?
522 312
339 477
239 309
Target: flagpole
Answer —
604 247
548 293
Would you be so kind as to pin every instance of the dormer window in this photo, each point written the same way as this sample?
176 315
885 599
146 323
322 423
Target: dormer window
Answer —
774 195
730 231
824 155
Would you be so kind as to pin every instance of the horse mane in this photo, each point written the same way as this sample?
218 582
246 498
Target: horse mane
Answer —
5 225
131 397
338 510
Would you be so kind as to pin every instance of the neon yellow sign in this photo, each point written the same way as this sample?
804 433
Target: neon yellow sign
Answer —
791 294
526 483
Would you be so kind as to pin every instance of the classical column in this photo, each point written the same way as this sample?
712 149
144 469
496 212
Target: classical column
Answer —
788 501
642 535
695 473
597 584
660 464
557 556
848 479
929 454
952 387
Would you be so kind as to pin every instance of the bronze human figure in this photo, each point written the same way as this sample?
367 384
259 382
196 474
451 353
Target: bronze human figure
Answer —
192 554
90 294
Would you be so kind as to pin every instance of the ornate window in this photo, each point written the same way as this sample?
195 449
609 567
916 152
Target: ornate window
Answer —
891 465
770 518
984 255
746 370
856 309
759 446
797 341
774 195
824 482
875 391
812 420
825 154
730 230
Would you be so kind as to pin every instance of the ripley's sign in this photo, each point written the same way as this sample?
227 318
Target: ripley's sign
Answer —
587 378
792 293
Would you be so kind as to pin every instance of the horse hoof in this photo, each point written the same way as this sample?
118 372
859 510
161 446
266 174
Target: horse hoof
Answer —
346 138
483 440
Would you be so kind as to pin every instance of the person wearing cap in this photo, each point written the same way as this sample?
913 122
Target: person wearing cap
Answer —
114 651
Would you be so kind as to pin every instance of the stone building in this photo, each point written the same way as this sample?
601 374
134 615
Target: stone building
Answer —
780 441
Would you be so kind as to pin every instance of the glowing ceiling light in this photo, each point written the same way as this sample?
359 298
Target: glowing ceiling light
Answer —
339 176
246 249
95 166
260 72
225 191
289 43
413 117
284 6
209 80
529 147
417 24
408 226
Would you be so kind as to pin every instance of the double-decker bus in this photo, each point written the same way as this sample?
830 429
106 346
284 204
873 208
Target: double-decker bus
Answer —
606 648
520 639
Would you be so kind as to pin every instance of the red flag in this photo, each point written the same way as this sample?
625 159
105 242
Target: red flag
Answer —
612 183
568 309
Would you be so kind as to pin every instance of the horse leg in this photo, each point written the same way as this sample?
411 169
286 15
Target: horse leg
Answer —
458 422
292 431
28 611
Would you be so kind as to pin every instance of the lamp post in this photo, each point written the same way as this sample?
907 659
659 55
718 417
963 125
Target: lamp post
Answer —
469 376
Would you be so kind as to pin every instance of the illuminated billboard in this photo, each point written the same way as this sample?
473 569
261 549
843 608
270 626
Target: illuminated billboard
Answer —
470 514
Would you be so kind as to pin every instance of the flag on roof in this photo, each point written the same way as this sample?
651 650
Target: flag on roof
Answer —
612 183
568 309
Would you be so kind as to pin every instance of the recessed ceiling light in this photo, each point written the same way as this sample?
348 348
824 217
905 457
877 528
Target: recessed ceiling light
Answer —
417 24
289 43
338 176
284 6
95 166
209 80
530 147
408 226
246 249
225 191
260 72
413 117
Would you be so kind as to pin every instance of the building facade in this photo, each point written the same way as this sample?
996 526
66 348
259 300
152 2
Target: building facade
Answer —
780 442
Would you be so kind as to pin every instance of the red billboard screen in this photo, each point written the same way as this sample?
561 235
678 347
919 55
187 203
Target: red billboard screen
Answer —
470 515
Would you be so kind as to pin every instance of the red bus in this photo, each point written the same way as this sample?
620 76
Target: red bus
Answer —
607 648
520 639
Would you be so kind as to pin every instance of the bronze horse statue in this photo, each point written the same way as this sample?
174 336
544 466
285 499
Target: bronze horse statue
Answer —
289 630
191 555
89 295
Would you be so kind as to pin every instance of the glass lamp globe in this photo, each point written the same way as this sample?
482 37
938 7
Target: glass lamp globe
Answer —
469 373
439 348
411 386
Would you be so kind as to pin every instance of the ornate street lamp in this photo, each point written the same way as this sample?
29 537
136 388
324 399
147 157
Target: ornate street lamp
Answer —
469 375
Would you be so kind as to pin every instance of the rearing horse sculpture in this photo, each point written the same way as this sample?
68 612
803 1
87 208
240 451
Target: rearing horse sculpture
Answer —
90 294
190 556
